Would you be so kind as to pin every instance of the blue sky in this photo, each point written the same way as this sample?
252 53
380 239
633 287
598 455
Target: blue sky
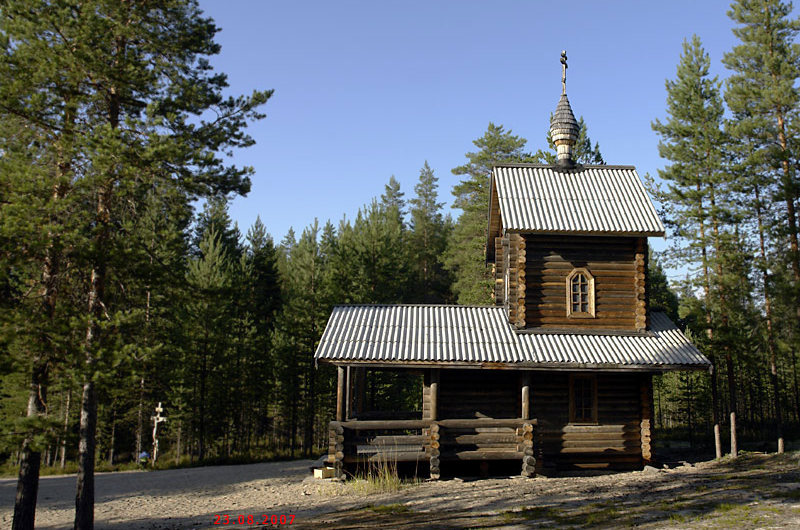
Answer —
366 90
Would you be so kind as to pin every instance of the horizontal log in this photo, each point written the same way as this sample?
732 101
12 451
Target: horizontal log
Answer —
600 445
587 323
411 456
484 422
384 441
482 438
610 259
481 455
601 437
614 428
367 449
387 425
561 313
575 458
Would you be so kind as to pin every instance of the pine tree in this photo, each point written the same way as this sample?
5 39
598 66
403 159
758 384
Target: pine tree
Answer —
692 141
113 63
464 256
763 96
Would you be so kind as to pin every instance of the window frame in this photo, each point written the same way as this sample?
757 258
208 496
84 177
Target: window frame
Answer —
590 295
592 378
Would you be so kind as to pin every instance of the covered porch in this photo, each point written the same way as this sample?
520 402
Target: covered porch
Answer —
466 415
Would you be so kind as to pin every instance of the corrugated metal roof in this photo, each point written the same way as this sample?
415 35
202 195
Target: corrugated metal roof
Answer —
588 199
459 335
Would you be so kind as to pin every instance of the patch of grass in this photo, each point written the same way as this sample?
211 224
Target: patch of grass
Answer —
389 508
380 477
599 516
726 507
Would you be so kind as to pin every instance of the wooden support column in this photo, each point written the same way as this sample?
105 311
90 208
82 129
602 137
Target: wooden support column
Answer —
336 449
526 395
340 393
647 418
526 443
433 444
434 394
348 402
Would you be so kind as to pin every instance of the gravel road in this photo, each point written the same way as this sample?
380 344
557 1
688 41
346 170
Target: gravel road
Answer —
755 491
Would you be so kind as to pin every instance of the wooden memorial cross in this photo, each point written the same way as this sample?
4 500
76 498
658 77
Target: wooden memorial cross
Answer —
158 418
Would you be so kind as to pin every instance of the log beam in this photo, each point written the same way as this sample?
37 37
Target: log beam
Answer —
340 393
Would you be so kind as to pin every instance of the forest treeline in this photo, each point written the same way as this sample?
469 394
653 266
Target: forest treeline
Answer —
124 283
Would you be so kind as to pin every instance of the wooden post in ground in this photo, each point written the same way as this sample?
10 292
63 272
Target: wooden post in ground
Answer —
526 443
340 393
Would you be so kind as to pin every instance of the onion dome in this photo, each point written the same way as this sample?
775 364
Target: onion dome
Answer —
563 125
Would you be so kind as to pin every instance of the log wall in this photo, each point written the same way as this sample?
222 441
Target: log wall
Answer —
618 265
617 440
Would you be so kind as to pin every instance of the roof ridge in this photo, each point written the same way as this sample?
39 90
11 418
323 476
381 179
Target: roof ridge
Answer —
555 167
418 305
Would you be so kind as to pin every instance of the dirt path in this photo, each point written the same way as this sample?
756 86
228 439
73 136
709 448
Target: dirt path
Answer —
756 491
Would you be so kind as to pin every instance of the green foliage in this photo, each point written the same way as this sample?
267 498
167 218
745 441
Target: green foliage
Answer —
428 241
465 254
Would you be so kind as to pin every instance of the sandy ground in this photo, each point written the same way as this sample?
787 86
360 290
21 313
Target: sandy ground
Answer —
753 492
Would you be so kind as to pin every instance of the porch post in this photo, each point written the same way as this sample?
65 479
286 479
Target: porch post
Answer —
526 395
348 402
434 394
340 393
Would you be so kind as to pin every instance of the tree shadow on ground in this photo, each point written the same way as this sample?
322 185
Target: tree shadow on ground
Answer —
752 491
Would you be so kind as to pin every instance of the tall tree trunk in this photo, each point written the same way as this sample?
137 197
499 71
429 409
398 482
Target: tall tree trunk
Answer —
710 334
113 435
66 430
773 365
140 418
84 500
30 460
723 297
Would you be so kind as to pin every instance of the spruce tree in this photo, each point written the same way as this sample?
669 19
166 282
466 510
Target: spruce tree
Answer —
428 240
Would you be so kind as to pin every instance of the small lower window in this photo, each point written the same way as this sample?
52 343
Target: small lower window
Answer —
583 399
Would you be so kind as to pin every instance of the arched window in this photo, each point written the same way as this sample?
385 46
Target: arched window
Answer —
580 294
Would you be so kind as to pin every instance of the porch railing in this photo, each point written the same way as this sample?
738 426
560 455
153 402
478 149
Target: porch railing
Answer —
480 439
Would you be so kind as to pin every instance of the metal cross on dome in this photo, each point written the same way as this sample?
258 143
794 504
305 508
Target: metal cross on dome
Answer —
563 71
